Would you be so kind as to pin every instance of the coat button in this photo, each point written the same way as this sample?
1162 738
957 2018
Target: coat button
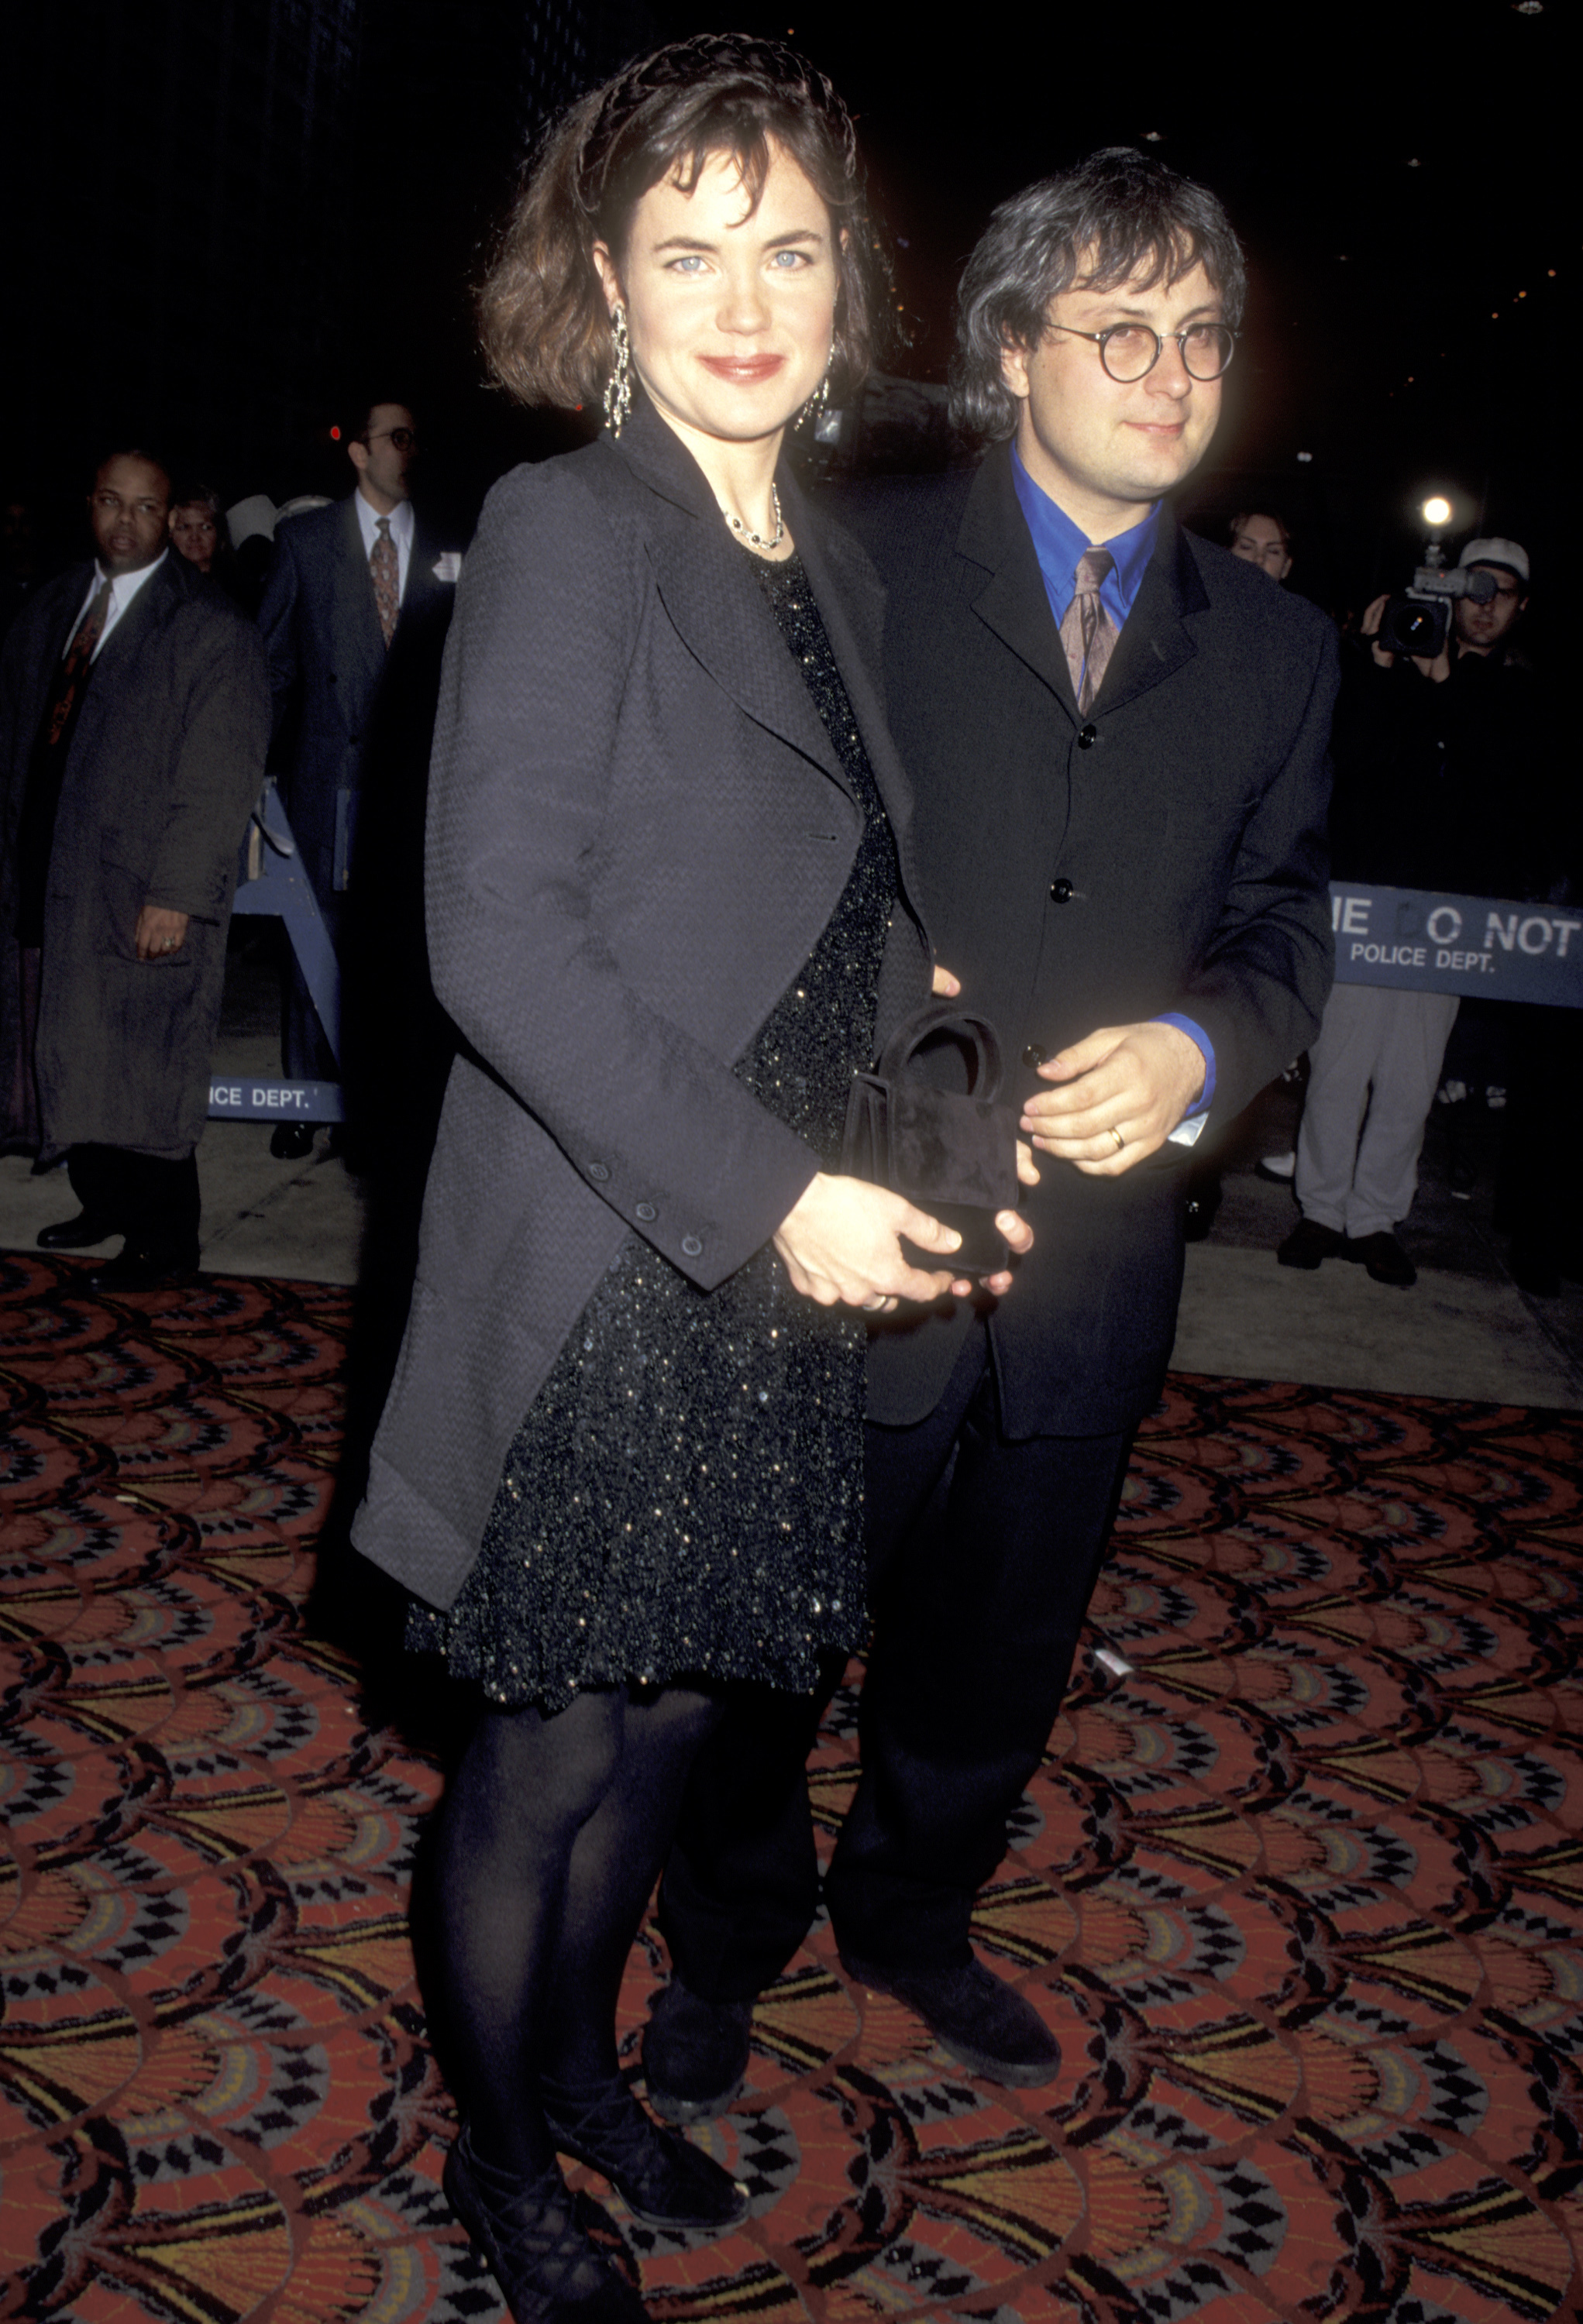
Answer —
1033 1054
598 1173
647 1212
1088 738
1060 892
691 1246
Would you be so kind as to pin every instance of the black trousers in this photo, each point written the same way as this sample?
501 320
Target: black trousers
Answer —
152 1202
984 1551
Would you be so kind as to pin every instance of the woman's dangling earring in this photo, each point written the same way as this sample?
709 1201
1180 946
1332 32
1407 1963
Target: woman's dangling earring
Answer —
814 407
618 388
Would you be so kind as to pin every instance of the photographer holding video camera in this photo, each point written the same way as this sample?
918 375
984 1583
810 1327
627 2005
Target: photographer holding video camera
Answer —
1442 781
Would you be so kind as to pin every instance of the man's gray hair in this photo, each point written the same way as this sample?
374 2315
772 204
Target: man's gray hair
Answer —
1098 225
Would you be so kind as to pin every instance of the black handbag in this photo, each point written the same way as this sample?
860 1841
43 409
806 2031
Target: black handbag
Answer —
956 1156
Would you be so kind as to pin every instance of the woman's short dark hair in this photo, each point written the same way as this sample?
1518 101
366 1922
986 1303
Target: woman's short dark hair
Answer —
542 314
1095 226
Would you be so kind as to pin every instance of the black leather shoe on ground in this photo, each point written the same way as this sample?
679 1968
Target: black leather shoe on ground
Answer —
970 2013
1385 1259
666 2182
291 1140
1309 1243
142 1271
77 1233
541 2260
695 2053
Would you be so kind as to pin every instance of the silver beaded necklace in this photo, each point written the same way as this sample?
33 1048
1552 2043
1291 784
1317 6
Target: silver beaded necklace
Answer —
754 540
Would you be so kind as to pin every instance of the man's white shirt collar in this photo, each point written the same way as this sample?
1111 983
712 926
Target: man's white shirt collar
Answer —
401 532
123 588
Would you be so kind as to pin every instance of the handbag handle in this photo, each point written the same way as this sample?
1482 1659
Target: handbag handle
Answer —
977 1036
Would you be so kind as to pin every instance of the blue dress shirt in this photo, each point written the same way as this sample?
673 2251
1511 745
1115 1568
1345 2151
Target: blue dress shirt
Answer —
1058 544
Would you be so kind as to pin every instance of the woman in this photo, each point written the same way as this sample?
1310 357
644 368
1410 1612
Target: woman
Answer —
621 1462
197 525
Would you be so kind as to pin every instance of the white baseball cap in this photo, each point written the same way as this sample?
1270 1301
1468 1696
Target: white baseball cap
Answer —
1509 553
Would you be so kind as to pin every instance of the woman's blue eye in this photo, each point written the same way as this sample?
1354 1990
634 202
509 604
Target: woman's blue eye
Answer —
788 260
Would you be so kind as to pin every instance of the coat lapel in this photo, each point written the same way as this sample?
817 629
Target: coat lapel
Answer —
1013 602
717 609
148 611
1155 641
422 584
851 601
359 639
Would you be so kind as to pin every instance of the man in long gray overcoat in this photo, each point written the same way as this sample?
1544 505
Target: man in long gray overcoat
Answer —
134 724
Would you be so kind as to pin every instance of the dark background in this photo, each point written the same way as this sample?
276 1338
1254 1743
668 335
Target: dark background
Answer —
229 218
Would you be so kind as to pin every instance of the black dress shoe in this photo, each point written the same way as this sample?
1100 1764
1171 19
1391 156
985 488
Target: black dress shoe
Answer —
666 2182
77 1233
1309 1243
290 1140
1383 1258
143 1270
970 2013
695 2053
541 2258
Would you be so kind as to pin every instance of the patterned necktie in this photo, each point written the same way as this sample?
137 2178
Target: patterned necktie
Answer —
74 668
1086 630
385 574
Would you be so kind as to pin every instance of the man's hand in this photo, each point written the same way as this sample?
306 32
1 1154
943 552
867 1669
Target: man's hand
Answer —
1118 1096
160 933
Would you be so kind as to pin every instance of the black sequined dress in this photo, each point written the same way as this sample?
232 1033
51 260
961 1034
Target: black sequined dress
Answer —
685 1495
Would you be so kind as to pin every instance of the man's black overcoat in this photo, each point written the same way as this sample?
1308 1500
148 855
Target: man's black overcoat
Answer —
1167 854
165 760
638 830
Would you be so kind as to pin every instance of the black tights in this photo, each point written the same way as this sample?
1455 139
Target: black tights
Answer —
551 1842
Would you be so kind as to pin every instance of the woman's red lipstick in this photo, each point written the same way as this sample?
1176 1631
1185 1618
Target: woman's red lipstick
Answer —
746 370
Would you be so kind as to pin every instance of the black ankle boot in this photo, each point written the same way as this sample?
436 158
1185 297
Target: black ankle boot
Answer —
666 2182
545 2265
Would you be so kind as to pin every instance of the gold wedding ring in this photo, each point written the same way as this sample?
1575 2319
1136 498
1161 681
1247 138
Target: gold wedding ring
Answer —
1120 1140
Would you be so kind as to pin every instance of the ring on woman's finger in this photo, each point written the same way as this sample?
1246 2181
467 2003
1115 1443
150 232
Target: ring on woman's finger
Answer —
873 1306
1120 1140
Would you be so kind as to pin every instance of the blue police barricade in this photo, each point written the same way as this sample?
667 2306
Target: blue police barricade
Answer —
276 887
1430 943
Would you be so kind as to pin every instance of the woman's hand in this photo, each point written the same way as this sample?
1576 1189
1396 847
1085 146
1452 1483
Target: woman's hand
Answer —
841 1245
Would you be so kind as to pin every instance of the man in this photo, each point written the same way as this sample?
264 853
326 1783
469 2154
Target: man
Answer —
1440 778
1264 542
1118 757
133 723
354 616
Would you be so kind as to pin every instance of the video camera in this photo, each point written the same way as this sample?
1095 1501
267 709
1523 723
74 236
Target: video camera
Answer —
1419 620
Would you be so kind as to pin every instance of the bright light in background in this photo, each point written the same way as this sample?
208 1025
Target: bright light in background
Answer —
1437 511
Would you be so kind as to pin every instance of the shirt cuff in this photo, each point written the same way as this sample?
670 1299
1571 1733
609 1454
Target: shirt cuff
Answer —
1205 1098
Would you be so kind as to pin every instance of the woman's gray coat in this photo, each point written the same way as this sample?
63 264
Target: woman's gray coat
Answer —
166 760
638 829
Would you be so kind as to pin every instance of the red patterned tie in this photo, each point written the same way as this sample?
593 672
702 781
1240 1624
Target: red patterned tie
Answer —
386 576
1086 630
74 668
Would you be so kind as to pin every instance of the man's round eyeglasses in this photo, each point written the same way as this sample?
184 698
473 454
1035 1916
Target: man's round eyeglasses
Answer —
403 439
1130 351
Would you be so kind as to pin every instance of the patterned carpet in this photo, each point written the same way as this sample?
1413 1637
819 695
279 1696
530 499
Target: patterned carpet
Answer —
1301 1894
